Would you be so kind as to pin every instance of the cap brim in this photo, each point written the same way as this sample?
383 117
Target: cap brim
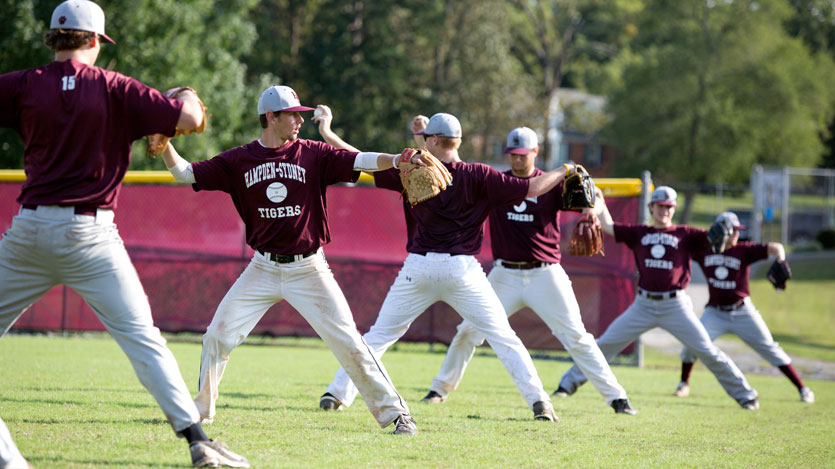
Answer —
295 109
107 38
740 227
518 151
664 202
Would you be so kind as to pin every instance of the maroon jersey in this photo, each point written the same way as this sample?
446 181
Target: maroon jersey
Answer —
662 254
529 230
727 273
453 221
279 192
77 123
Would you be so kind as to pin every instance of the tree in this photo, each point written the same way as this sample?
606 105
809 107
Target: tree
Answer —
566 42
715 87
162 43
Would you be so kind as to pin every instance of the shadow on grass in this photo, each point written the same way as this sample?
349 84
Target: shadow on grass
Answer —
66 421
61 462
32 400
797 340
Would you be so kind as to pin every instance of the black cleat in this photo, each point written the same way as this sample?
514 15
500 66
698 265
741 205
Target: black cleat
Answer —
622 406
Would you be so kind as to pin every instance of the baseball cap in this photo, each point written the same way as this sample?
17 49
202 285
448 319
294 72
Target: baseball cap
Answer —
730 220
521 141
280 99
81 15
443 124
663 195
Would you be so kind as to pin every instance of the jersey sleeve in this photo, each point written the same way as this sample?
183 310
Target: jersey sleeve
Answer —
148 110
500 188
697 240
213 174
338 164
755 252
388 179
625 233
10 86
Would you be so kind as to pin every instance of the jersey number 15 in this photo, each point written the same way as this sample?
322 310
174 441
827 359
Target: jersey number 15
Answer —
68 83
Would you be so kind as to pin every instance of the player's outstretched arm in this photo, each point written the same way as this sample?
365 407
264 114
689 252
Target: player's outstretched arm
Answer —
179 168
324 116
191 115
545 182
777 250
607 224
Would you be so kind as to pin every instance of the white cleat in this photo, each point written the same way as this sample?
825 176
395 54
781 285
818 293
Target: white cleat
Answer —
212 453
806 395
683 390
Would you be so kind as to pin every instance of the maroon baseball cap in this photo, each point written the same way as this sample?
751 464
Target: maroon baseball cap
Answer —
80 15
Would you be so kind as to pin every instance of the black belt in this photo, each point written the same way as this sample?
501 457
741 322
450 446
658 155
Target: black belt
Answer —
657 296
79 209
424 253
732 307
285 258
523 265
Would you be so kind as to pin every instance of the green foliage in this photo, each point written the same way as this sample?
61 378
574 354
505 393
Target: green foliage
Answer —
72 402
716 87
827 238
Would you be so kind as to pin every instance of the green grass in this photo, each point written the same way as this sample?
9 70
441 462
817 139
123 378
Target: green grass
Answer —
74 402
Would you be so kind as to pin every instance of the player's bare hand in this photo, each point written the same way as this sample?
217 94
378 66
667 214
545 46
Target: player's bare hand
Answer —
323 116
419 123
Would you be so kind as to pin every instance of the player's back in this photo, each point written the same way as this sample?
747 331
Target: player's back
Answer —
77 123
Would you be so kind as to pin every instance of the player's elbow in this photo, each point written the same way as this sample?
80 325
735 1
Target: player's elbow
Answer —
191 116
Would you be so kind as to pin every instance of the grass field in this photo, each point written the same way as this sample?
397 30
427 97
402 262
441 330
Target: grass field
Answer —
75 402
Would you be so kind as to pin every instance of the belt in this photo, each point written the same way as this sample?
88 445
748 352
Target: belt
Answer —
523 265
285 258
732 307
79 209
657 296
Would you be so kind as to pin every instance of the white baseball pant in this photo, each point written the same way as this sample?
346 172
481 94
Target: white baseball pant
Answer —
10 456
746 323
52 245
676 316
547 291
460 282
308 286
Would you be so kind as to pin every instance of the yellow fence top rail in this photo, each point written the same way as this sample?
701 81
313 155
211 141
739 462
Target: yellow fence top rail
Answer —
611 187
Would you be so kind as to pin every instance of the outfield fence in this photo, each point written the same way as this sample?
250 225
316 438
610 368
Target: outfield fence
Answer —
189 248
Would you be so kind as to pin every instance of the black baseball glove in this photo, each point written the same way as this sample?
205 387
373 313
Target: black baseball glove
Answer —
578 190
779 273
718 236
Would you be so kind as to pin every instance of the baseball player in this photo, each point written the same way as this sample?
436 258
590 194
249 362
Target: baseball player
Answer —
10 457
729 308
72 118
662 254
441 265
277 183
527 272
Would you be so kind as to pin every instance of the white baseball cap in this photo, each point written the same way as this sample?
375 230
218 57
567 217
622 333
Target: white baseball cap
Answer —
81 15
444 125
521 141
730 220
280 99
663 195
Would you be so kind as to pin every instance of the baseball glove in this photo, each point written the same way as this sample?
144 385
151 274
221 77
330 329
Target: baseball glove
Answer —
158 142
778 274
422 182
578 191
718 236
587 237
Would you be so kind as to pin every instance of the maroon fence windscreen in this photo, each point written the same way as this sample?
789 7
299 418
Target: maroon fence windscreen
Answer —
189 248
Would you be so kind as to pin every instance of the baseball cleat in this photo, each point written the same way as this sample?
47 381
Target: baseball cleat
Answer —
433 398
751 404
806 395
562 392
212 453
328 402
543 410
683 390
622 406
405 425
